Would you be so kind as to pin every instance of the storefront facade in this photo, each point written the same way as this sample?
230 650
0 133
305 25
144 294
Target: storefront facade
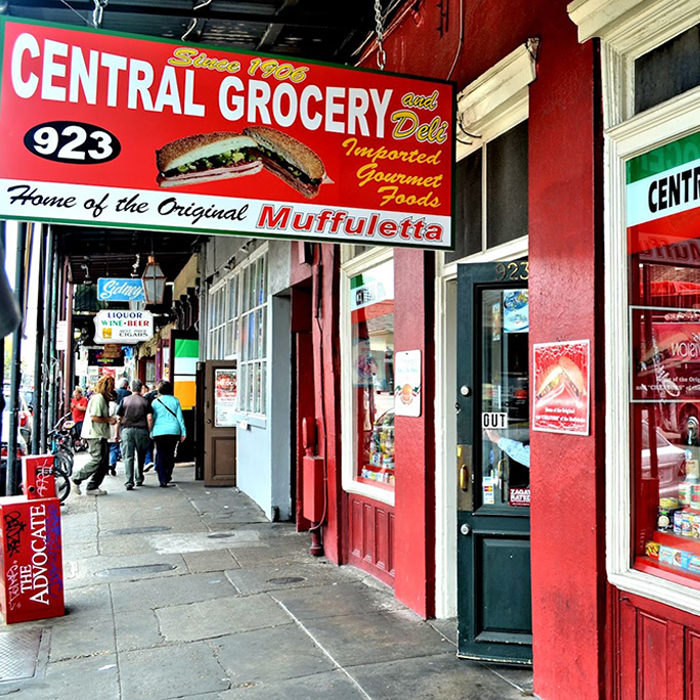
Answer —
558 134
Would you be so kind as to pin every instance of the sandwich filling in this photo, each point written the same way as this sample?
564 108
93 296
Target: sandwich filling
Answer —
277 159
227 159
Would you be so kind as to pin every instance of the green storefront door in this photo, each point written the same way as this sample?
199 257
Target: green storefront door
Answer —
493 457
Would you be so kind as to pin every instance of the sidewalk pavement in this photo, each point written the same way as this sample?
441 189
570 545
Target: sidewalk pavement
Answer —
191 593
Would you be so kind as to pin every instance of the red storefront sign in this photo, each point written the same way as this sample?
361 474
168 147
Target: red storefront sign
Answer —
38 477
114 130
561 400
31 569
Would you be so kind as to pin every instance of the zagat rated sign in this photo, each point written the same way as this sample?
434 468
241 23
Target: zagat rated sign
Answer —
125 327
114 130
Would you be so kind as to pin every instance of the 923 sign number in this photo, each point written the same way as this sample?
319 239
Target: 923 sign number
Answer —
72 142
513 271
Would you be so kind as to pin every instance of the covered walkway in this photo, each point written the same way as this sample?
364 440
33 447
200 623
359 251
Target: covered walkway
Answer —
190 592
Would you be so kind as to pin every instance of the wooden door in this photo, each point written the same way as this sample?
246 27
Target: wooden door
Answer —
220 380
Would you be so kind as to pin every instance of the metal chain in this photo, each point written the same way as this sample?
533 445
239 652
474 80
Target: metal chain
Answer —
97 12
381 53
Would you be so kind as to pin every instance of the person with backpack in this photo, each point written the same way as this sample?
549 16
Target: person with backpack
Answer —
167 427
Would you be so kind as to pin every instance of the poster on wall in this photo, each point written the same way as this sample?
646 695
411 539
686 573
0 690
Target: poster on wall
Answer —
665 354
561 400
108 129
516 311
225 400
407 383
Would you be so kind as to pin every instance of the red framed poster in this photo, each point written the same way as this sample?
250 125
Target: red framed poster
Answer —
561 399
117 130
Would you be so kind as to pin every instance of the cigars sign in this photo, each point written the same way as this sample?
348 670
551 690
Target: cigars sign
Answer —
112 130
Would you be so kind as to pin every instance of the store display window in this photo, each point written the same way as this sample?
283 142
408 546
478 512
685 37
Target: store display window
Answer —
663 239
372 338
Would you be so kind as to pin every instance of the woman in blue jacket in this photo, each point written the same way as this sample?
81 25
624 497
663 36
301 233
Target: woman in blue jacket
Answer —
167 430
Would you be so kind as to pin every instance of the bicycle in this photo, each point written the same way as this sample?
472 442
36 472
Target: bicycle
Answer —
60 441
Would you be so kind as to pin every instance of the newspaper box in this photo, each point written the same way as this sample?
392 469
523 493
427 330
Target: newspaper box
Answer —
37 476
31 570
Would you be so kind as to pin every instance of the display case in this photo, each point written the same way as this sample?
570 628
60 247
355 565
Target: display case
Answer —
664 380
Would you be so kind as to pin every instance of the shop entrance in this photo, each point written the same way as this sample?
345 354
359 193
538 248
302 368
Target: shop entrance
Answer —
493 457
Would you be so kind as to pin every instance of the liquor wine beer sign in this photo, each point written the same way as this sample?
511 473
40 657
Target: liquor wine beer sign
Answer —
112 130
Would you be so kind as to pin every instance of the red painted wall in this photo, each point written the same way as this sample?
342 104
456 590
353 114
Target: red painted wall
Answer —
568 579
414 536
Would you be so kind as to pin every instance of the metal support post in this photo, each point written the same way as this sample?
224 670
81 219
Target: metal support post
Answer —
13 465
39 354
46 351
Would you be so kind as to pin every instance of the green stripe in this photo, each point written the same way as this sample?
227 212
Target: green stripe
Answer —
186 348
666 157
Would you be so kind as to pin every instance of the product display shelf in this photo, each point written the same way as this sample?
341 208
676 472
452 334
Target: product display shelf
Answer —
689 544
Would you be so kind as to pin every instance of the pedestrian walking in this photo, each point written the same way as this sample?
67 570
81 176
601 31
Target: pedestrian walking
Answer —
167 429
96 432
122 392
149 396
133 415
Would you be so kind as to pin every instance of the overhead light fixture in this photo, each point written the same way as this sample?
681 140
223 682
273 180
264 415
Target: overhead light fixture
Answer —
153 282
87 280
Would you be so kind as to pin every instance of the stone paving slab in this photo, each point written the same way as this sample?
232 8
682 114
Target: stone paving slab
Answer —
173 590
85 634
286 577
342 599
432 678
323 686
271 654
370 637
200 541
137 629
215 618
96 678
171 672
274 552
89 572
204 562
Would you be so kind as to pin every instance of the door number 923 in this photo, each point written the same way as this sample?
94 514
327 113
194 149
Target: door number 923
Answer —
513 271
72 142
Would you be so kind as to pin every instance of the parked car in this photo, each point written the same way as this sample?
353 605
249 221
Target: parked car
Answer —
26 419
670 460
4 439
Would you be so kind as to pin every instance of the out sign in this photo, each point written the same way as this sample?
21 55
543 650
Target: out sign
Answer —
494 421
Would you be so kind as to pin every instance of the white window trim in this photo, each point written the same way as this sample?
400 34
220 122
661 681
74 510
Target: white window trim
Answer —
491 105
663 124
629 29
350 485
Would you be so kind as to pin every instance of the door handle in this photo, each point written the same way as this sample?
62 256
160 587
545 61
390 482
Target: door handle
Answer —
208 421
465 477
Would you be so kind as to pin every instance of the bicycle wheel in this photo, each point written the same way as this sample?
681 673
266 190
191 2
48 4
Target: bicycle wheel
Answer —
62 483
65 459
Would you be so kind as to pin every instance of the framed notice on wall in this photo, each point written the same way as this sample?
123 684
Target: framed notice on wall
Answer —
225 398
407 383
561 400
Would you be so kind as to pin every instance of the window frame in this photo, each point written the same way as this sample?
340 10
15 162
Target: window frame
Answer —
349 269
223 321
639 134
